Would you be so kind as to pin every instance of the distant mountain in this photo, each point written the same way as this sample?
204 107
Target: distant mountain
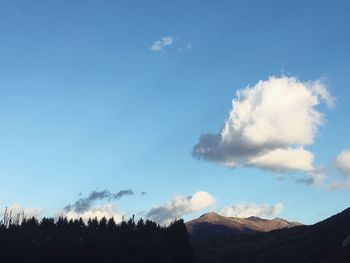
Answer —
212 225
326 241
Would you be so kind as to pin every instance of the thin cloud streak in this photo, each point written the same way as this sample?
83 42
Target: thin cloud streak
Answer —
84 204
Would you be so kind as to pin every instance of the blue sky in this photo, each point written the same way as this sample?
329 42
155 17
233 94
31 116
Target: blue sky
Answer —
85 104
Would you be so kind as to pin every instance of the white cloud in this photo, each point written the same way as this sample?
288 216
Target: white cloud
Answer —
247 210
26 211
107 210
161 43
342 162
180 206
269 126
321 90
285 159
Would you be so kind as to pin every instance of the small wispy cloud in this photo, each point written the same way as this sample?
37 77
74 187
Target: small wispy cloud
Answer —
85 203
161 43
342 165
342 162
246 210
345 184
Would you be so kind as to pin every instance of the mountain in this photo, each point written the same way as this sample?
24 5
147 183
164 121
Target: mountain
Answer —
212 225
326 241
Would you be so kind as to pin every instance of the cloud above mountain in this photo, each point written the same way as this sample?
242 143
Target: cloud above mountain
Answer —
180 206
247 210
269 126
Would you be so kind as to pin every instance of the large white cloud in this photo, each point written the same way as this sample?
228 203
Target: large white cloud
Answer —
247 210
269 126
180 206
342 162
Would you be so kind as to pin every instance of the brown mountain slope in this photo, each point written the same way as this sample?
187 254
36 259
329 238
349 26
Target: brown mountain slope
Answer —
214 225
325 242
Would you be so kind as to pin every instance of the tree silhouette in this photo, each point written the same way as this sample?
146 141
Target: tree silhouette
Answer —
102 241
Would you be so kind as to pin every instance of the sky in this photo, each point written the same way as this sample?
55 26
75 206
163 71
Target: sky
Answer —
168 109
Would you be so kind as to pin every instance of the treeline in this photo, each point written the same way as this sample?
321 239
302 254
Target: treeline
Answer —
102 241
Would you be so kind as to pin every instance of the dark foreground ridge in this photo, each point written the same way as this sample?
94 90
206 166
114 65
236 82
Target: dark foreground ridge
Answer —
327 241
101 241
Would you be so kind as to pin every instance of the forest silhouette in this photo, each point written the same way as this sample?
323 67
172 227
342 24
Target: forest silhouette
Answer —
105 241
63 240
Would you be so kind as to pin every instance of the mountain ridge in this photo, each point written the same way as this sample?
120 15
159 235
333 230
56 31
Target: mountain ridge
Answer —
325 241
211 225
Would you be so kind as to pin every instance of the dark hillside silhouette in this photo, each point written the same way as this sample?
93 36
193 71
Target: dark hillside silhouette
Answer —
98 241
325 242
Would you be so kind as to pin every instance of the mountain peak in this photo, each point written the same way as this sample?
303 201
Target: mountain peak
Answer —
215 225
328 241
210 215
